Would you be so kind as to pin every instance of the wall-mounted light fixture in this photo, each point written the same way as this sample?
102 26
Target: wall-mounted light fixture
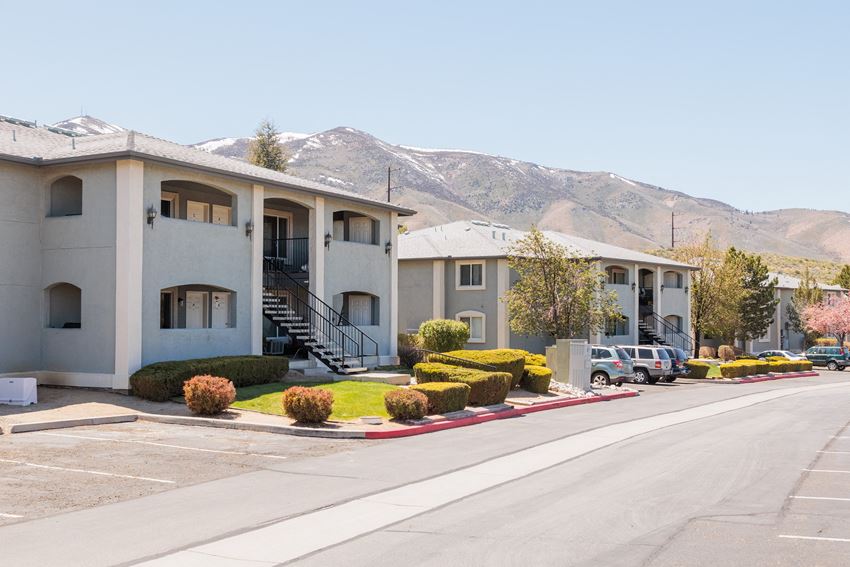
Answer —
634 285
328 238
687 289
249 229
151 215
388 247
662 288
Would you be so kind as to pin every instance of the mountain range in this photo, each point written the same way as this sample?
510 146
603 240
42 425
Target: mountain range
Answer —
444 185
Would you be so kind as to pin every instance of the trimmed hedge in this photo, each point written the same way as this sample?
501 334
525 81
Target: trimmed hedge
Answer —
536 379
444 397
697 368
532 359
743 368
487 387
161 381
507 360
406 404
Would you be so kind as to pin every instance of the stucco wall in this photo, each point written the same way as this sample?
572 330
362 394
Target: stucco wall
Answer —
484 301
416 293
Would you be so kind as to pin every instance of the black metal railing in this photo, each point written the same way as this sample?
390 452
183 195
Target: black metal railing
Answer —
328 327
668 332
434 356
293 253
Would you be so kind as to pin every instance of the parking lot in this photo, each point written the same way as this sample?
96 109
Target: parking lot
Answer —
48 472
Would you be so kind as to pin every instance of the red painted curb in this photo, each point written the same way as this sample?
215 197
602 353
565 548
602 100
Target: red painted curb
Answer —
482 418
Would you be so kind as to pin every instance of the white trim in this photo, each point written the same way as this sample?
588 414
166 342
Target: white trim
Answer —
635 331
471 314
78 379
503 276
317 248
257 213
393 228
439 290
129 249
459 263
174 198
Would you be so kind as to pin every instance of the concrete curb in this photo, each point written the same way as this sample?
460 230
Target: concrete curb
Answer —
763 378
63 423
253 426
482 418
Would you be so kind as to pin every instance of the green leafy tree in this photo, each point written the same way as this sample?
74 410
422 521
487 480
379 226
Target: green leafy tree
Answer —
559 293
843 277
265 149
757 303
725 318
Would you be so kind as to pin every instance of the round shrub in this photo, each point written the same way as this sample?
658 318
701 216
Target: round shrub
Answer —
707 352
536 379
444 397
406 404
507 360
726 353
441 335
208 395
532 359
308 405
487 387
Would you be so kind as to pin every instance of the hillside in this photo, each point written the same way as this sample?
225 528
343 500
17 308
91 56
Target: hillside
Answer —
448 185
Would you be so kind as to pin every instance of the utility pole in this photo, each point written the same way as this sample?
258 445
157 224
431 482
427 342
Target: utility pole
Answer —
672 230
389 181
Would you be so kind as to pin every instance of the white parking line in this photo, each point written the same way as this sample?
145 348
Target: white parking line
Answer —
100 473
826 471
9 515
91 438
835 452
815 538
820 498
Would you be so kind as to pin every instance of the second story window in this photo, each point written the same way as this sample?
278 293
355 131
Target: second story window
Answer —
470 275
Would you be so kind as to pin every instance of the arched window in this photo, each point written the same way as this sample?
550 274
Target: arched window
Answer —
64 306
350 226
196 202
476 321
359 308
197 307
617 275
675 322
673 280
66 197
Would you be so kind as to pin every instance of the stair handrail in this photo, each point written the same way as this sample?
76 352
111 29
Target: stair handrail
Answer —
687 341
360 338
474 364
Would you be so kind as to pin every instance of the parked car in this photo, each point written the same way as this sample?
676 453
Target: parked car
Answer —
834 358
651 363
783 353
609 365
678 358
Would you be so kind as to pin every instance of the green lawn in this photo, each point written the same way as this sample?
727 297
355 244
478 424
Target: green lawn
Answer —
713 372
351 399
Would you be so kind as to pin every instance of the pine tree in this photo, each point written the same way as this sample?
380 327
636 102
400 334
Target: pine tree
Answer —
265 150
843 278
758 302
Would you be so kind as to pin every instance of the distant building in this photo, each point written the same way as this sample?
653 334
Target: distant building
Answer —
460 271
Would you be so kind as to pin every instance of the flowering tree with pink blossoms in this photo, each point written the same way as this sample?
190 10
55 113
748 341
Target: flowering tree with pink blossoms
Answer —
830 317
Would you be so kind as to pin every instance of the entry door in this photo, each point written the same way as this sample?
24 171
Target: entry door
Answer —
198 212
220 310
196 309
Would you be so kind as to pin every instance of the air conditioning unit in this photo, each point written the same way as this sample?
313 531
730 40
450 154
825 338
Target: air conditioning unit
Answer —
18 391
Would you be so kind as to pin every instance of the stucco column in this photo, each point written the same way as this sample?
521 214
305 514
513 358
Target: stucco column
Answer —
258 197
317 248
636 317
393 284
503 330
686 324
130 214
438 301
656 303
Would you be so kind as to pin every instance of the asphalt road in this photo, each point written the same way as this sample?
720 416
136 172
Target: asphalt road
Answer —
677 476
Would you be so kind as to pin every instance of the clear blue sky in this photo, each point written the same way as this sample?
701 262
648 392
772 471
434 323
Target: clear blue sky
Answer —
746 102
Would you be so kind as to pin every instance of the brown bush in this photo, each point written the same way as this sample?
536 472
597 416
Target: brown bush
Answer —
308 405
726 353
707 352
208 395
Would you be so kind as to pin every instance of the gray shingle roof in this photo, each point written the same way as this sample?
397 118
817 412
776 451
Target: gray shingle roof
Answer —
790 282
39 146
477 239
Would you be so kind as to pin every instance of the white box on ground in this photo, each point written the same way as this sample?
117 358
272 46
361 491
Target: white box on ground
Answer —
18 391
569 361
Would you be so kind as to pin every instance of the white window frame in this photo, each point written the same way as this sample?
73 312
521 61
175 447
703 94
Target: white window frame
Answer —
482 263
281 215
206 207
611 270
470 314
174 199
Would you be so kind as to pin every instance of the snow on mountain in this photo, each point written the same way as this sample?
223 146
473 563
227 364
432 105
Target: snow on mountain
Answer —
88 125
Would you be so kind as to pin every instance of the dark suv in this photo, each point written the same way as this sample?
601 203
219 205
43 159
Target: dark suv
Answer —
833 357
678 357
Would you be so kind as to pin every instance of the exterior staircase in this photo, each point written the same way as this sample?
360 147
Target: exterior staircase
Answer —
310 322
655 330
